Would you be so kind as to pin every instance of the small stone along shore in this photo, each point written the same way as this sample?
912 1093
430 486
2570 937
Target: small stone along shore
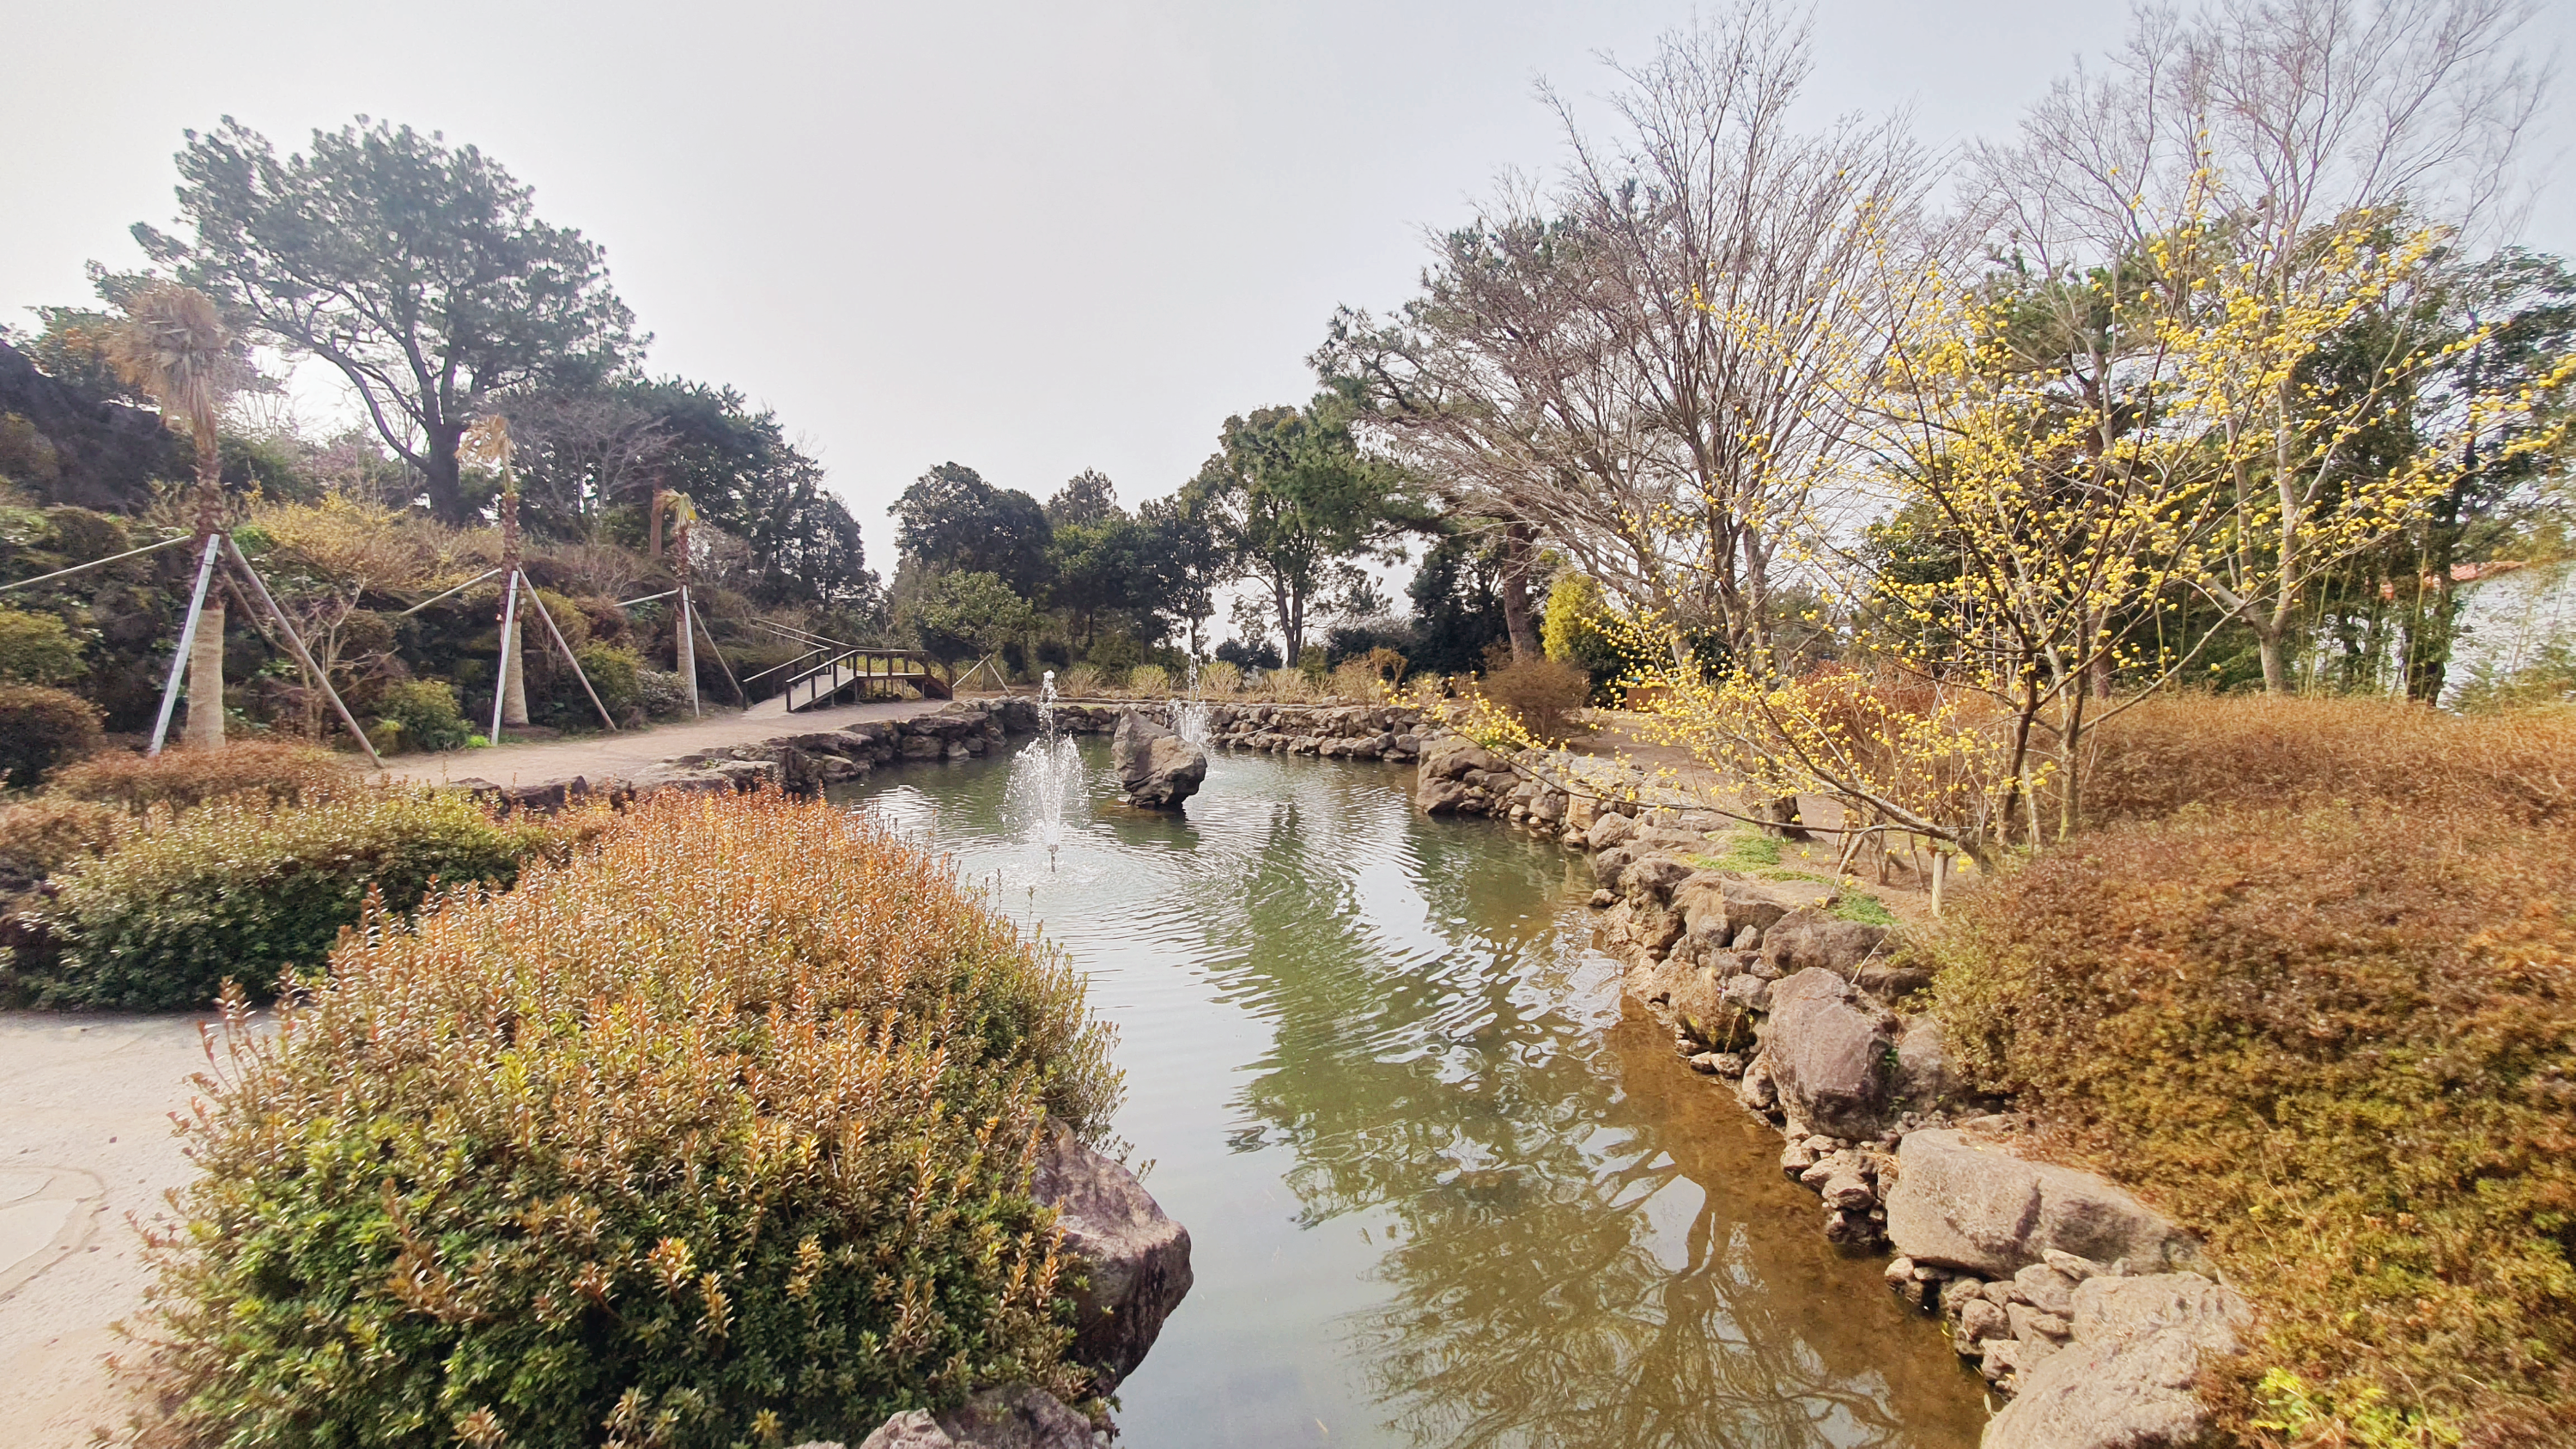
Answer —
2077 1302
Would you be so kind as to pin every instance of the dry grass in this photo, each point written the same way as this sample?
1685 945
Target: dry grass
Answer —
2340 1042
2231 752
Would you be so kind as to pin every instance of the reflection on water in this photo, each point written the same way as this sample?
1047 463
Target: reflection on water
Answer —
1441 1191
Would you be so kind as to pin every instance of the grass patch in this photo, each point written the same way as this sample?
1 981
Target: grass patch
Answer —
1863 907
2341 1044
1748 851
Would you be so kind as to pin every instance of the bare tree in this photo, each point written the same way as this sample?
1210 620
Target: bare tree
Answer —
581 453
1648 365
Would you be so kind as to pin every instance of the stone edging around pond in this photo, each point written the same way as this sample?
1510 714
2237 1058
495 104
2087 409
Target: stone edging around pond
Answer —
2075 1298
805 762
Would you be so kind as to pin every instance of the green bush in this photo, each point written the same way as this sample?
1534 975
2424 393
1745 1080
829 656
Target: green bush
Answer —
1580 628
612 672
40 728
37 649
718 1136
248 888
426 710
661 693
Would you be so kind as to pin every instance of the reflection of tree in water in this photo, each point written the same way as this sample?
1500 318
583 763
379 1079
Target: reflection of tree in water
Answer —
1436 1078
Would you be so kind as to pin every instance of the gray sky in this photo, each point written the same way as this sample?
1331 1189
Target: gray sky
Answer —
1030 237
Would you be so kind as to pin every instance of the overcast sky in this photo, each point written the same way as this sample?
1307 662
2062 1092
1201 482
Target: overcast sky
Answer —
1033 238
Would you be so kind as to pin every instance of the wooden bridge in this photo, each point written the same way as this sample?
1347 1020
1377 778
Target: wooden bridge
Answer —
827 675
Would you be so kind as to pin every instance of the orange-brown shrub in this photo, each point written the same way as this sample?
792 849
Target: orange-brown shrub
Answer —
42 835
718 1135
2339 1043
1542 694
183 778
2230 752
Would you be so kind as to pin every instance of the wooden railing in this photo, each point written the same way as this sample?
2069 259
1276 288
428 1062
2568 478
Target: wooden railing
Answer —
856 670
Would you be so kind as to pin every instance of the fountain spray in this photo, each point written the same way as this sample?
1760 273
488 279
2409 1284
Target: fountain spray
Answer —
1046 779
1190 713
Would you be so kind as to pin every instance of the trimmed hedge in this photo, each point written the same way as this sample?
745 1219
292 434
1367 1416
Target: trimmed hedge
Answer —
249 888
720 1135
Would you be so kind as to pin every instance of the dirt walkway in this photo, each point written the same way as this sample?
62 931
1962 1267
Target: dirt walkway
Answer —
85 1140
626 756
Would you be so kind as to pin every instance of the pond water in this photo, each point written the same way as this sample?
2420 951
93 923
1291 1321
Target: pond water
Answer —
1442 1189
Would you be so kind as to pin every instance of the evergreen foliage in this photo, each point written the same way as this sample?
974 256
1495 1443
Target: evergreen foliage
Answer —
720 1135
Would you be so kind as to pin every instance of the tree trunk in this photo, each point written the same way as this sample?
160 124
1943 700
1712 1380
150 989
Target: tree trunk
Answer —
1292 627
205 728
514 677
441 480
2276 673
1517 561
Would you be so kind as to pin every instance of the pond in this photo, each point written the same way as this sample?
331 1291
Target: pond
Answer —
1443 1188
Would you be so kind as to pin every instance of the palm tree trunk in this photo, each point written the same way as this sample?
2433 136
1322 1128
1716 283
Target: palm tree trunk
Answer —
205 728
514 677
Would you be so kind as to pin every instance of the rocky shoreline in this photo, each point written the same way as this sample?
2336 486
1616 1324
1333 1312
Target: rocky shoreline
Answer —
2084 1308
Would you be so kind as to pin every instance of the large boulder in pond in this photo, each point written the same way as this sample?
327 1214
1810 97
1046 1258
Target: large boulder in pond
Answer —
1966 1202
1016 1416
1157 768
1136 1260
2130 1378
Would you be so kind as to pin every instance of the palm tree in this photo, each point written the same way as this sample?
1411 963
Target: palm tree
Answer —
174 348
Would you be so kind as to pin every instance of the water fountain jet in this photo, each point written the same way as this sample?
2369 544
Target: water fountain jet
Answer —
1190 713
1046 779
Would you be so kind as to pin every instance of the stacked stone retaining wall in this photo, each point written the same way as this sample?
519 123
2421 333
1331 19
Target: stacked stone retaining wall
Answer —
2074 1300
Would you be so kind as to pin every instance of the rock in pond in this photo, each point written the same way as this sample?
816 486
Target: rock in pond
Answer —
2127 1379
1962 1201
1016 1417
1829 1055
1138 1260
1157 768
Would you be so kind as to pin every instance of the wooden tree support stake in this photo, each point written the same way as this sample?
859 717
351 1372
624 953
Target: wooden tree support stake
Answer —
187 638
295 646
718 651
557 635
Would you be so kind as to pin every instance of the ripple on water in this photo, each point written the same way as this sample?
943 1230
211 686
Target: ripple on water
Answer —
1441 1191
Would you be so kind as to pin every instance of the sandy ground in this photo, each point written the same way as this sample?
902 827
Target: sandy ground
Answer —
623 756
86 1150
